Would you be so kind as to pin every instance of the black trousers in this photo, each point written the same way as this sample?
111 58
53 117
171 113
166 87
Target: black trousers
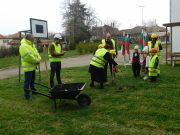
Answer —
55 69
136 67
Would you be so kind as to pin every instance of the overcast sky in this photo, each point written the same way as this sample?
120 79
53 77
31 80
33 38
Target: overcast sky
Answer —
15 14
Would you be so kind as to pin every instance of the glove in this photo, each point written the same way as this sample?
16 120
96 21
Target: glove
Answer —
101 46
112 52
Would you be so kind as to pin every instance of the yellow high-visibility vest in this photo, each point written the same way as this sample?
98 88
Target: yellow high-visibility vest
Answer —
152 70
155 46
112 40
57 49
98 59
158 51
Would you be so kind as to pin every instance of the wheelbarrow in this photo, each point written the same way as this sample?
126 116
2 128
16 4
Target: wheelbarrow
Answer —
67 91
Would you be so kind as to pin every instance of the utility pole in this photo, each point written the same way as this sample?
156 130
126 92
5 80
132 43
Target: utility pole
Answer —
142 13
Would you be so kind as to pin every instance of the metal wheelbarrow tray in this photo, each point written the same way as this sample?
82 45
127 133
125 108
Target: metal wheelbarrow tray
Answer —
68 91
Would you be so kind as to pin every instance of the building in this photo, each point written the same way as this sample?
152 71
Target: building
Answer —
6 40
100 32
135 32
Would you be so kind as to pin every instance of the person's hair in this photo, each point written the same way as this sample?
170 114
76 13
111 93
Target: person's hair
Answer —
29 36
108 35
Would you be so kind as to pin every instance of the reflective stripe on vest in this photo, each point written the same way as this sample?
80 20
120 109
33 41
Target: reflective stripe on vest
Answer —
29 55
27 66
152 70
98 60
57 49
26 54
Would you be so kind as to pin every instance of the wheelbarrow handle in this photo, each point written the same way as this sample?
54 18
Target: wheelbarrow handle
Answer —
41 94
42 85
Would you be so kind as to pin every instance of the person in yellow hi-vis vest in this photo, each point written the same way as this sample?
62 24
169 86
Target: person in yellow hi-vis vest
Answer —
153 65
30 59
155 43
54 53
109 41
98 61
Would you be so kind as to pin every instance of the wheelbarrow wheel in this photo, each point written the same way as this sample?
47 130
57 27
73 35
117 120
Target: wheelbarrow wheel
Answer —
84 100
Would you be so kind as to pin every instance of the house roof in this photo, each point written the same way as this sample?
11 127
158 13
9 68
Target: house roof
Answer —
1 36
12 36
138 29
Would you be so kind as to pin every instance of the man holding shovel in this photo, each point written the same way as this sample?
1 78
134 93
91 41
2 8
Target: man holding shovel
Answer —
97 65
109 41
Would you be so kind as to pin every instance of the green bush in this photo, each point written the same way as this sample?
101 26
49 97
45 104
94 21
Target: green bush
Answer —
11 51
72 46
87 47
79 48
4 51
14 50
40 48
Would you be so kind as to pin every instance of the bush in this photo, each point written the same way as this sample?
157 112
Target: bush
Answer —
40 48
80 48
87 47
4 51
14 50
11 51
72 46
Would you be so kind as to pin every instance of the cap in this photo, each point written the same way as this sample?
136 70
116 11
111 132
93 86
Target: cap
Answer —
145 49
58 36
153 50
153 35
136 47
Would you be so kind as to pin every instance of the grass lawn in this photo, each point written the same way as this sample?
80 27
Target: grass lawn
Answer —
14 60
142 108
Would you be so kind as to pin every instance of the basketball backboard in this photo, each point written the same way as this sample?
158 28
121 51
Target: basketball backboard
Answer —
39 28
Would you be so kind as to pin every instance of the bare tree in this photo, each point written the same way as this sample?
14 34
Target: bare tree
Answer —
111 26
151 23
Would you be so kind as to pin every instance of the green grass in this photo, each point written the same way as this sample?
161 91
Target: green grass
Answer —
9 62
142 108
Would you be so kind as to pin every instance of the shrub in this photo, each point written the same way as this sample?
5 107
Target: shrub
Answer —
80 48
87 47
4 51
72 46
14 50
40 48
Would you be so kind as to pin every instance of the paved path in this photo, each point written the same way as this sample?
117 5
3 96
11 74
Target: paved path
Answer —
77 61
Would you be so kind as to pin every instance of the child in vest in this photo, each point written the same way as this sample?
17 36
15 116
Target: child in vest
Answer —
145 62
136 67
153 65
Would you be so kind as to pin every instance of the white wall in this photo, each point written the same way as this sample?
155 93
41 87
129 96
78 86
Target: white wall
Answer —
175 17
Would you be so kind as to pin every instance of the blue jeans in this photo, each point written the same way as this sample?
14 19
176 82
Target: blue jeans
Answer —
55 69
29 82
